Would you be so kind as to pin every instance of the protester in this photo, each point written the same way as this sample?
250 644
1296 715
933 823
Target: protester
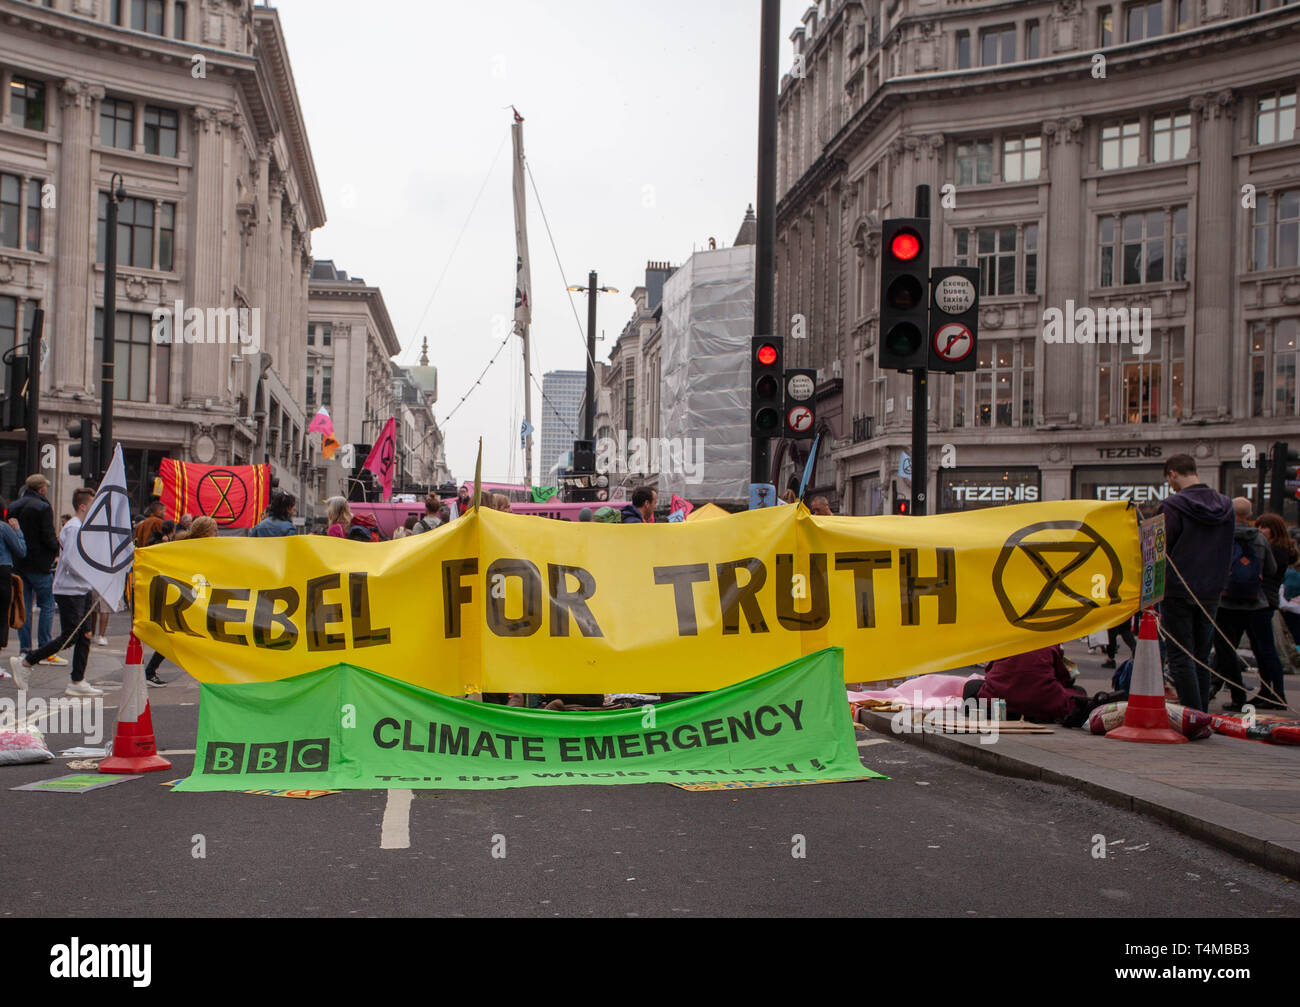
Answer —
72 594
278 522
789 496
1285 554
1244 609
164 533
202 526
1198 536
499 501
444 515
102 611
463 501
36 521
340 517
151 522
642 508
407 528
1289 601
584 515
607 515
1037 686
821 507
12 547
432 518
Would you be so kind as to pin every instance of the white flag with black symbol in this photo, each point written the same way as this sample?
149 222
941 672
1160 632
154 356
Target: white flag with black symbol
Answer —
105 548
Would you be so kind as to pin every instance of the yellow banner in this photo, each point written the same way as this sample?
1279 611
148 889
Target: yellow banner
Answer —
500 602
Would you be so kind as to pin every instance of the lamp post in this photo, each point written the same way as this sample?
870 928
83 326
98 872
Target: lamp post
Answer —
589 418
116 194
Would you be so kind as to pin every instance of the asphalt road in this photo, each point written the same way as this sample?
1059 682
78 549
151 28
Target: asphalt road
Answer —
937 839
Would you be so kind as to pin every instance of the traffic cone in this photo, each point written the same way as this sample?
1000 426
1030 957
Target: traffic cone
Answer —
1146 718
134 747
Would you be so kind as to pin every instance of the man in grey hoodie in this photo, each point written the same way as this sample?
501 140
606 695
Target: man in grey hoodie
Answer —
1198 536
1244 609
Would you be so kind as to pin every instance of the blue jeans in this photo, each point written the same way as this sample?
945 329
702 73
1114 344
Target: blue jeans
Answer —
42 584
1184 621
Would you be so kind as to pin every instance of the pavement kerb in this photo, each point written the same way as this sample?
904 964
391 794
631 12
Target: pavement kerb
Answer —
1269 842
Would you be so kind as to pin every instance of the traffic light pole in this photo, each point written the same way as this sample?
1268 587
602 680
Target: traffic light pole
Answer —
34 391
764 309
921 402
115 192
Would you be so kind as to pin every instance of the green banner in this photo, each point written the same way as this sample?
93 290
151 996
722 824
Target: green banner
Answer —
347 728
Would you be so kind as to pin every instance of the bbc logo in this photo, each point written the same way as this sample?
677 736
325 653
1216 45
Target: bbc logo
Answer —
307 755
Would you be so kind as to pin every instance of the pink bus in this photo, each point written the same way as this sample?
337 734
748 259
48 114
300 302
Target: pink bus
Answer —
391 516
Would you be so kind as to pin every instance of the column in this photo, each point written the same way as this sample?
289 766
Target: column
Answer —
70 324
1063 240
205 240
1210 346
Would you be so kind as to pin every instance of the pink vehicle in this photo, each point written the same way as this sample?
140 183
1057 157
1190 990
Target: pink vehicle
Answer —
391 516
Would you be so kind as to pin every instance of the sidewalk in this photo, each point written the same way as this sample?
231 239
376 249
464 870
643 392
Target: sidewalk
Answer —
1241 796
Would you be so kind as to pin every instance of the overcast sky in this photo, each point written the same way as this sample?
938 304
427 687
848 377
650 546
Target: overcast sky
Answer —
640 130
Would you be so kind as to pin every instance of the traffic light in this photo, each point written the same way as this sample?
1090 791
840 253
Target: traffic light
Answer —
15 404
954 318
766 379
84 450
904 293
1286 476
800 410
902 505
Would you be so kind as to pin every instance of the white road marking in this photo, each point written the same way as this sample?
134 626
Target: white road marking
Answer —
177 751
873 741
397 821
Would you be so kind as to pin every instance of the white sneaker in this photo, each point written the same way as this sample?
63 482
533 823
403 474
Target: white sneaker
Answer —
21 671
102 641
82 688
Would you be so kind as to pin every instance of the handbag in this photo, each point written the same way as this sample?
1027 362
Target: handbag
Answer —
17 604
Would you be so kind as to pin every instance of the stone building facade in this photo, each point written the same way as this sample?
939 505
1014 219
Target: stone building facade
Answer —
193 104
1085 156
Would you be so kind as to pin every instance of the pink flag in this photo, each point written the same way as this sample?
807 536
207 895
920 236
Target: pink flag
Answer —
678 504
321 423
382 460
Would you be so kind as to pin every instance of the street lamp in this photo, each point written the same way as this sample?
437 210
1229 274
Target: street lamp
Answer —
589 419
116 194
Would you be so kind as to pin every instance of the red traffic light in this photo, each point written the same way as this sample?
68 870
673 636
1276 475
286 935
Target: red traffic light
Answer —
767 354
905 245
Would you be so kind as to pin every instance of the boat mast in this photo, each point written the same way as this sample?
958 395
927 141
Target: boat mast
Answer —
523 289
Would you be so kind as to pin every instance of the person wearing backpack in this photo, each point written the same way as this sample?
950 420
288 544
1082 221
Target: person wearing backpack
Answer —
1243 608
1198 533
430 521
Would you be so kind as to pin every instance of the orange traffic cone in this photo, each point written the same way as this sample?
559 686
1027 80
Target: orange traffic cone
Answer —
1146 718
134 748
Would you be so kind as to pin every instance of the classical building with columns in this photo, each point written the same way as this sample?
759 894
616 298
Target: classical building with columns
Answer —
1084 156
193 104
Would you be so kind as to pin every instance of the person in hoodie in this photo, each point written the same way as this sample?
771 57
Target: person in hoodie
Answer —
642 508
1198 542
1244 609
278 522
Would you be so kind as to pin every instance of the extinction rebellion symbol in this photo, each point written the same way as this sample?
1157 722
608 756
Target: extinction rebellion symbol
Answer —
1044 574
104 540
222 495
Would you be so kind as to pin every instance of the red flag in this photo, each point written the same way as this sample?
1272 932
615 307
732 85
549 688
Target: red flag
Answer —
382 460
232 495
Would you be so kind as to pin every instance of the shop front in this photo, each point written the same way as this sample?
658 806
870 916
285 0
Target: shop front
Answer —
1138 484
970 488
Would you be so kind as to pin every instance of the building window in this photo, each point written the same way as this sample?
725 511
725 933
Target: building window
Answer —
629 402
27 103
323 329
8 323
160 131
1105 26
994 376
1021 158
1027 382
1031 258
136 222
1143 20
11 189
1120 144
1140 245
974 162
1275 117
327 386
147 16
998 45
996 255
1276 231
1284 368
311 387
178 19
131 344
1184 19
117 123
963 50
1171 137
1144 388
1031 40
34 214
